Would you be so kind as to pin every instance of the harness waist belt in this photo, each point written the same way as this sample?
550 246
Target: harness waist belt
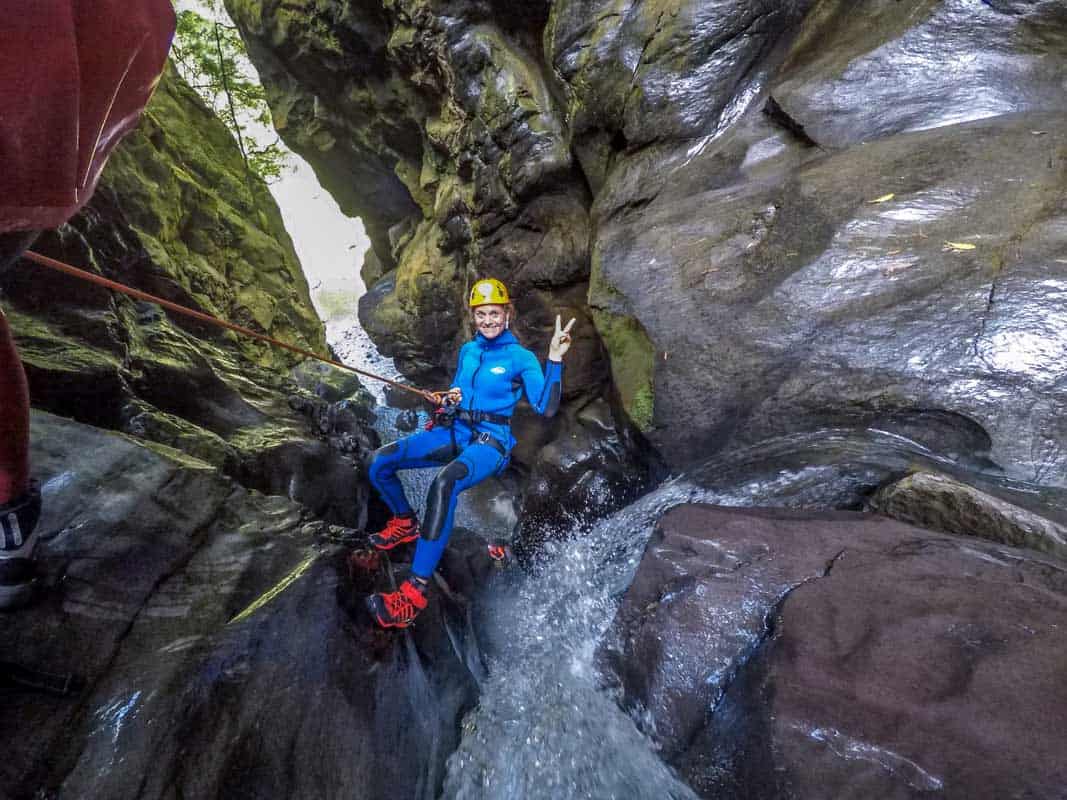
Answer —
474 417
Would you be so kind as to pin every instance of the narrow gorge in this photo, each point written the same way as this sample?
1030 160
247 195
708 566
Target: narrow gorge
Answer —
799 528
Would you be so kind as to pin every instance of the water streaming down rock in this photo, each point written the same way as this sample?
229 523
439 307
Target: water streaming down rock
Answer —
544 728
353 346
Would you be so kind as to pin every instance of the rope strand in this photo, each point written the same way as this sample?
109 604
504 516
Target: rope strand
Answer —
115 286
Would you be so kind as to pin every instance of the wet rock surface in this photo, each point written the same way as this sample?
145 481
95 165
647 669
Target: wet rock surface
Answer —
943 504
779 217
785 653
587 471
788 311
816 306
446 118
224 648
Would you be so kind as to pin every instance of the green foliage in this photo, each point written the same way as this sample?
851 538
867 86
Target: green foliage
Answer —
212 58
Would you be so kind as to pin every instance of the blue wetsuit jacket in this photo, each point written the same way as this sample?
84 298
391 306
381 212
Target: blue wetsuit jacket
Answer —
493 374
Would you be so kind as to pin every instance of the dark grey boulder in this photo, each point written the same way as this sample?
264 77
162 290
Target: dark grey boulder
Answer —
407 421
587 471
660 75
868 69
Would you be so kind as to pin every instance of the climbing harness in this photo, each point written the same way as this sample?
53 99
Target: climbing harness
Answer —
474 417
443 416
81 274
486 438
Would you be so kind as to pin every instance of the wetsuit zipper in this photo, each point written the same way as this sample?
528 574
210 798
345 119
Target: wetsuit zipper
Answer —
474 377
474 391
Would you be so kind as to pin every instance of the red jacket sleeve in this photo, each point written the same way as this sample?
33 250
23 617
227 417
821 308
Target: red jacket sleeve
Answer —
74 78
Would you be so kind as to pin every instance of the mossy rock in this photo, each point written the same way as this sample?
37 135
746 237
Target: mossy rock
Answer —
632 364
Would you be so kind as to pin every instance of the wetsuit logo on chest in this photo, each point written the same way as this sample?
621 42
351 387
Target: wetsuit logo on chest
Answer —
498 370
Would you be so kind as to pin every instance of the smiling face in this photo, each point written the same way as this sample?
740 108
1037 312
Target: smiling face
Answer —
490 320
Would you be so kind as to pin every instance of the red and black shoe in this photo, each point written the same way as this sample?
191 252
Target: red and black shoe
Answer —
499 555
397 531
398 609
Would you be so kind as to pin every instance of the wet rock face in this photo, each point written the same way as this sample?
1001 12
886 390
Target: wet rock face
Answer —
434 123
654 74
585 472
443 116
859 73
777 653
820 307
775 294
224 649
710 169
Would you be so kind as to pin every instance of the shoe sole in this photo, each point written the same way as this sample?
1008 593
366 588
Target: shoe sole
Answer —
372 607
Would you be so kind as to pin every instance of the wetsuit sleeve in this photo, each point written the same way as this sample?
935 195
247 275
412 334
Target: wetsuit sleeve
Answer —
543 389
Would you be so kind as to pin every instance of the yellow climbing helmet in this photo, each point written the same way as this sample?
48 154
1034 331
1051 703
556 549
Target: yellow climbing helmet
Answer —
489 292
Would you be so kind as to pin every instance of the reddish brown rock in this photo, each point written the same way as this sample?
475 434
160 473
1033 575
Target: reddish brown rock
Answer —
804 654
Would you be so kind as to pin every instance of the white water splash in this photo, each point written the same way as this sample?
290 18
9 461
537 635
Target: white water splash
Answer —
544 727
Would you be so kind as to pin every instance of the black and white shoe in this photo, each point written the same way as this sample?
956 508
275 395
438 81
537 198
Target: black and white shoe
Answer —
18 574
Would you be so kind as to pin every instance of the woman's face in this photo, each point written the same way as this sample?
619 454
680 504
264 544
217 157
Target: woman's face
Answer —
490 320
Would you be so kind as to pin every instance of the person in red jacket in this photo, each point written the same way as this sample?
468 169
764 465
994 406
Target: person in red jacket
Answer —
75 76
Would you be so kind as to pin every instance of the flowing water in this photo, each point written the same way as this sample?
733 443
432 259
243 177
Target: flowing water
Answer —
544 727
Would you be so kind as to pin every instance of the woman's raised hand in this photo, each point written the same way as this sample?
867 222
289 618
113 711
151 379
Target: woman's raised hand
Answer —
561 340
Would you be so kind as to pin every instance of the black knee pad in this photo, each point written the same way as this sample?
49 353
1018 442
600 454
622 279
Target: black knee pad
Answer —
388 450
440 494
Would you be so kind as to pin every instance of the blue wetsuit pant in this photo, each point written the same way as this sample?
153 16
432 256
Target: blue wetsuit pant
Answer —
472 464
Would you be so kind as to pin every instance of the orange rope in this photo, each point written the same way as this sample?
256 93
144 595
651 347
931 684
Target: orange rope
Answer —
59 266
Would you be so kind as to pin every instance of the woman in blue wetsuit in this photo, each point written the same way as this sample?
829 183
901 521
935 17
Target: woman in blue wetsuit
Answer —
493 372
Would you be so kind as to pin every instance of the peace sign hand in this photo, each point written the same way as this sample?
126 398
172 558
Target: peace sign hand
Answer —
561 341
